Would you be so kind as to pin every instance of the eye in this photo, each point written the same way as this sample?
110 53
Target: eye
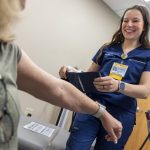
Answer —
136 20
125 21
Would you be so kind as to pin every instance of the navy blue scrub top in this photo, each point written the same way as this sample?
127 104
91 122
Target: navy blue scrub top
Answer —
138 61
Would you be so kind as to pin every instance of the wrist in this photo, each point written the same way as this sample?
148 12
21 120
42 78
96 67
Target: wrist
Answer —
121 86
100 111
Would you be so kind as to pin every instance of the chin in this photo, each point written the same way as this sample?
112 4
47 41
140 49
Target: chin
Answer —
130 37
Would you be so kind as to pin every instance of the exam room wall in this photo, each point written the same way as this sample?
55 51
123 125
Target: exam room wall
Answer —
58 32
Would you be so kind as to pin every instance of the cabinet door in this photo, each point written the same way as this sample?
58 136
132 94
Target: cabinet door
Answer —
140 130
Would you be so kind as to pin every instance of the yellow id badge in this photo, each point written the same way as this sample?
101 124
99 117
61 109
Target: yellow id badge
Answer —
118 71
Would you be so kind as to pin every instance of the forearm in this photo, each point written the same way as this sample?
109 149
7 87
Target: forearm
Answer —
137 91
46 87
71 98
57 92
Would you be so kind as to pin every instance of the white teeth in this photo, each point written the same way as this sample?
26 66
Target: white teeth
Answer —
129 31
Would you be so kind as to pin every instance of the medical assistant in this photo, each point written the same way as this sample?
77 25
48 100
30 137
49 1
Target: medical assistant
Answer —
127 68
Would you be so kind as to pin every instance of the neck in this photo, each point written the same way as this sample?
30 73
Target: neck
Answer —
129 45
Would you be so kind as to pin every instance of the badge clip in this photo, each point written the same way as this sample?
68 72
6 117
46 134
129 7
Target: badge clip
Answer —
124 56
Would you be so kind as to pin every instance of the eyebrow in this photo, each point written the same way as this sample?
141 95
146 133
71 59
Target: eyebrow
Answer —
133 18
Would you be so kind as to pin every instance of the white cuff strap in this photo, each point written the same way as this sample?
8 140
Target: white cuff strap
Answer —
100 111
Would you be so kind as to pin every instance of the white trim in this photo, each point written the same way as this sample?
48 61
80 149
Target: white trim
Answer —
147 1
63 118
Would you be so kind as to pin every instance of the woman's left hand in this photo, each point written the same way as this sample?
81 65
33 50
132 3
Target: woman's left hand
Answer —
106 84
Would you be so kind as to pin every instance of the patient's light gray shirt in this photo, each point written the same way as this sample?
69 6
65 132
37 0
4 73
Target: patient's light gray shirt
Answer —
10 55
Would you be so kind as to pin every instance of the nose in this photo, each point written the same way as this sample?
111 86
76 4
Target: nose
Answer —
130 23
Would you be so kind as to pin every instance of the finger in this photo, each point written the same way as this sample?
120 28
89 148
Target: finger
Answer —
106 78
68 68
100 87
72 69
106 83
103 89
62 72
113 136
98 79
118 133
109 138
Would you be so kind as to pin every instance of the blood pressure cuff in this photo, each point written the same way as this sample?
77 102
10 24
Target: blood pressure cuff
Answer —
83 80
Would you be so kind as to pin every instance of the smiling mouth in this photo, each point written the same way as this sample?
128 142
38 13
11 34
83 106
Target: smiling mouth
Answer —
129 31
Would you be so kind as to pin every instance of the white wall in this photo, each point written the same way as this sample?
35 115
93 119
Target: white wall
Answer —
57 32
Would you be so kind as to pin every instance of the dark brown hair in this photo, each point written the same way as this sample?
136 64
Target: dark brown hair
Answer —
118 37
144 40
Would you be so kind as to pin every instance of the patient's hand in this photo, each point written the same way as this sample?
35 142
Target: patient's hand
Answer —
112 126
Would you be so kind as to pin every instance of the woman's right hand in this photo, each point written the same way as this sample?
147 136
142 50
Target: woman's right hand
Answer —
64 69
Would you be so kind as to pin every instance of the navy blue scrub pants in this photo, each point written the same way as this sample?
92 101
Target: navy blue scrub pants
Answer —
87 128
